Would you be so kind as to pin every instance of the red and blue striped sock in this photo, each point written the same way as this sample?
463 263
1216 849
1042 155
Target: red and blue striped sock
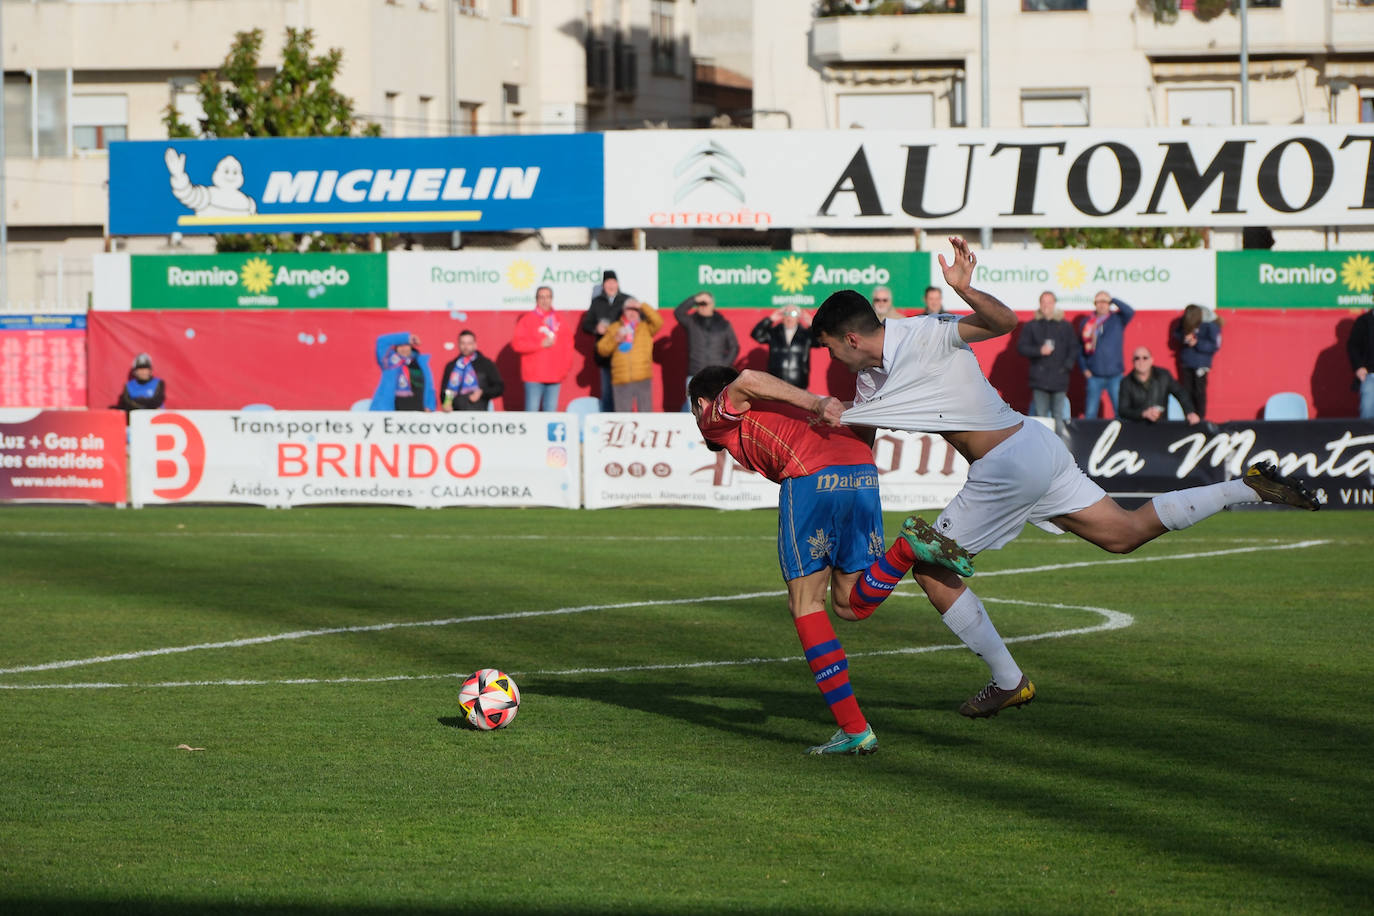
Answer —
826 657
878 581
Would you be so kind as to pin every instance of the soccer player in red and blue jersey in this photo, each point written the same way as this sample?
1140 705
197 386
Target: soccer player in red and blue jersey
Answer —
830 522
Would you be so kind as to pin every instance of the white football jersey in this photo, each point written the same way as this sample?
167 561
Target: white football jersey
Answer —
929 381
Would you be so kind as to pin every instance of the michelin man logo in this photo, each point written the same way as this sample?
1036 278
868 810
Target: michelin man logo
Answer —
221 197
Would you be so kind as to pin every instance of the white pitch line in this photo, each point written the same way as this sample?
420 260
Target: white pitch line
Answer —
1112 620
514 615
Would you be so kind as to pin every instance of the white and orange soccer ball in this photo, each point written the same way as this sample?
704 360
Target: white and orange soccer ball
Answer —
490 699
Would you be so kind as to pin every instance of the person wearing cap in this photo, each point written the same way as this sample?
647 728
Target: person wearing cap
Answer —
629 345
604 309
406 382
143 390
711 339
788 336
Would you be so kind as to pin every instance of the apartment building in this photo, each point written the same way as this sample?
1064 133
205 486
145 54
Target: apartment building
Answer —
919 64
79 74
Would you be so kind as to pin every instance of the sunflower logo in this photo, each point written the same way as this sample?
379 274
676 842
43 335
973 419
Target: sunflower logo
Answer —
1071 273
1357 273
520 274
256 276
793 274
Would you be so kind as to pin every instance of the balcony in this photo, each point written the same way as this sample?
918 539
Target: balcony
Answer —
56 192
839 40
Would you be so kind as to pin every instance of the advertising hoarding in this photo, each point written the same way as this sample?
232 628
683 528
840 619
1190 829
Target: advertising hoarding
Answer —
354 184
296 458
258 281
1290 175
62 456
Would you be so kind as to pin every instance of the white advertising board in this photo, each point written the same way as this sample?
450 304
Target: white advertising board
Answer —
296 458
661 459
471 281
1150 280
1291 175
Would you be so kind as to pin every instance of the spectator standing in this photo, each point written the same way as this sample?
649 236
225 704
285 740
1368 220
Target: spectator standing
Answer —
934 299
1101 360
882 303
1145 392
605 308
1360 347
1051 345
470 379
1197 340
711 339
406 382
143 390
629 346
544 342
788 336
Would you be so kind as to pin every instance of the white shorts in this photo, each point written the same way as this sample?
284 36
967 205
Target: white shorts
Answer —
1028 477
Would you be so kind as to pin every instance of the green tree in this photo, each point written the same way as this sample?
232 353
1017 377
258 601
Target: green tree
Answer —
1175 237
297 100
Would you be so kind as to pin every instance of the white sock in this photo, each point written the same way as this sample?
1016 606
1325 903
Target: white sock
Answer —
968 620
1182 508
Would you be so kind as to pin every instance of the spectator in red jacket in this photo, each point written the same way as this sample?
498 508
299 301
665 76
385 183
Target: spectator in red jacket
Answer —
545 344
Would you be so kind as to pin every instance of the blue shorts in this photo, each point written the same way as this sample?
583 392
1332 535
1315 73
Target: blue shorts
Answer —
830 520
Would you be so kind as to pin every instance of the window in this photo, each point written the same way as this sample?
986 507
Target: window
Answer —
469 7
1201 107
1049 6
425 112
884 111
467 118
1054 108
99 119
663 37
36 116
18 115
389 114
1367 106
186 102
511 112
517 9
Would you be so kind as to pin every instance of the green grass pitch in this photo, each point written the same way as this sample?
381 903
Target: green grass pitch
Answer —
1201 742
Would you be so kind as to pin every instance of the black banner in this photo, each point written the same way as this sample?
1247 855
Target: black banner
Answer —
1134 461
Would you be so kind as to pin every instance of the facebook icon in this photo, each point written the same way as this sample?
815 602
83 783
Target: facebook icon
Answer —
558 432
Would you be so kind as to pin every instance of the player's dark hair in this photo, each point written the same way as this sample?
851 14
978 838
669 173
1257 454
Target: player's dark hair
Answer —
843 313
710 382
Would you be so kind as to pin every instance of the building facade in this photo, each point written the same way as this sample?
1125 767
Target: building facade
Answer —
80 75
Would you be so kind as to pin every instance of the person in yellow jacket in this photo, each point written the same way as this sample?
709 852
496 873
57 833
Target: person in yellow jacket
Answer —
629 343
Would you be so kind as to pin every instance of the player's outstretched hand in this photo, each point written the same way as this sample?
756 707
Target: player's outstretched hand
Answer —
959 273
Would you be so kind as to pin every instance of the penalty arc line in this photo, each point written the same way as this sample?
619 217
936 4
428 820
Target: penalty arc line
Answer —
1113 620
515 615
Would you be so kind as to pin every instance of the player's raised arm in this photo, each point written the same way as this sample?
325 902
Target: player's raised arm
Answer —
991 317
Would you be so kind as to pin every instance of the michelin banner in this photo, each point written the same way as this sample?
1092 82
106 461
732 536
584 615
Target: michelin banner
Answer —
297 458
355 184
1291 175
661 459
480 281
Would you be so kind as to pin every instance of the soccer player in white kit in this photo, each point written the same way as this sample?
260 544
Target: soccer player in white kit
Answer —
919 374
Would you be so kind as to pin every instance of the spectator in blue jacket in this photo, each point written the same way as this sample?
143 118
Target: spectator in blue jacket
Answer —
1101 360
406 382
1197 340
